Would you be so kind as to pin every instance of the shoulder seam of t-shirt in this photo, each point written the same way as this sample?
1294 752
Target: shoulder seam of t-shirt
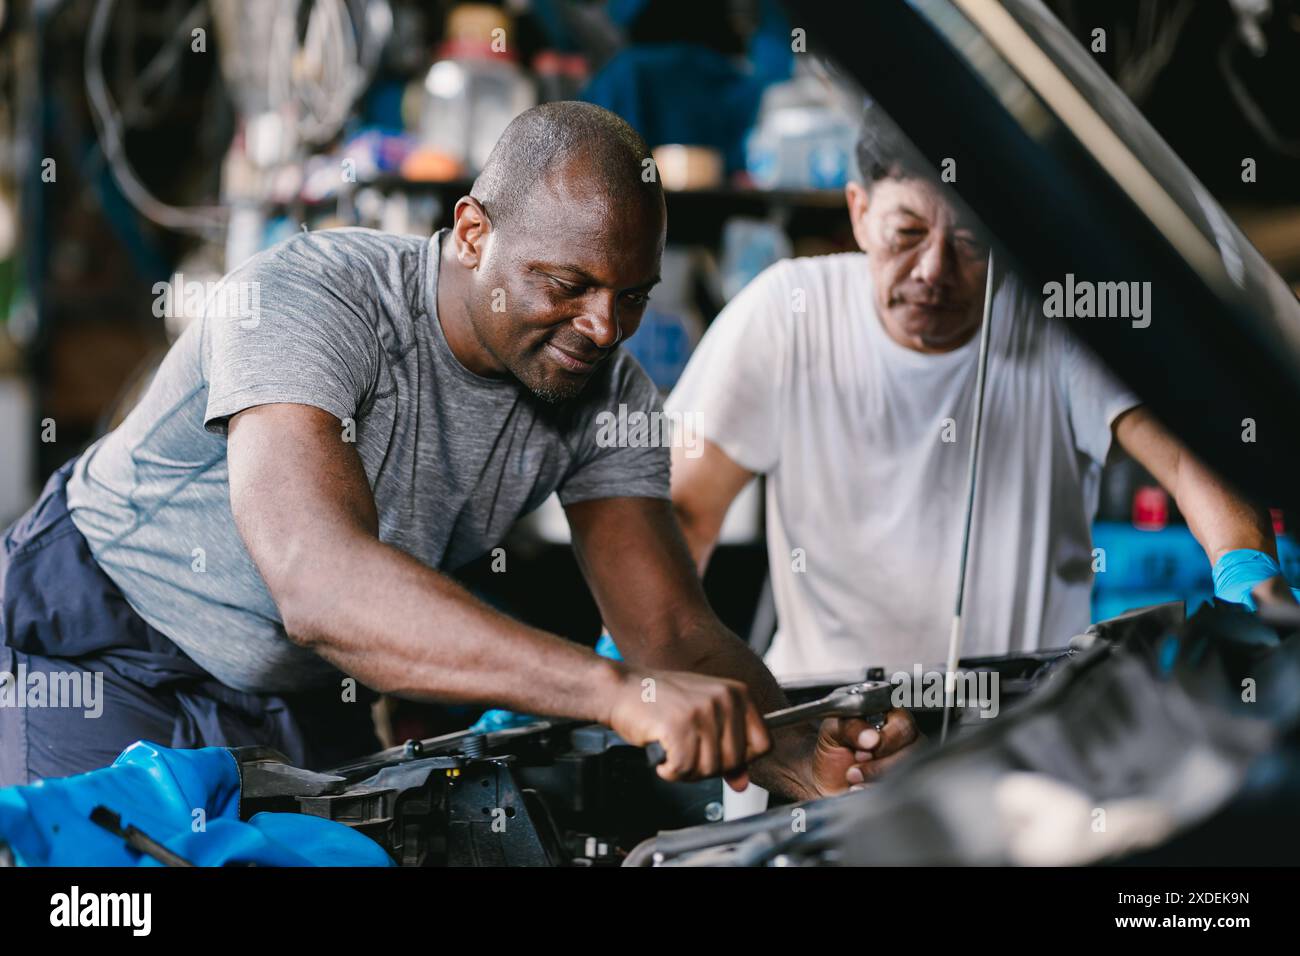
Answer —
357 250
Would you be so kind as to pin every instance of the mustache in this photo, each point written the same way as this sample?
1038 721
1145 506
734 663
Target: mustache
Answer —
582 350
946 302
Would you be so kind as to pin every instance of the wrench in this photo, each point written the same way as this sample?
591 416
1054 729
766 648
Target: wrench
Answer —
869 699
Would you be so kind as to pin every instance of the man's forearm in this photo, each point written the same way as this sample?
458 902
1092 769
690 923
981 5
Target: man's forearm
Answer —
787 769
1220 520
402 628
700 536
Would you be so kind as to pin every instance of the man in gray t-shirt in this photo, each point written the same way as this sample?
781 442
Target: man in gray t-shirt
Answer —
452 458
356 413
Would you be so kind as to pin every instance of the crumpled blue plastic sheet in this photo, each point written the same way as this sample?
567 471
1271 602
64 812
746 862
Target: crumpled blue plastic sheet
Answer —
187 800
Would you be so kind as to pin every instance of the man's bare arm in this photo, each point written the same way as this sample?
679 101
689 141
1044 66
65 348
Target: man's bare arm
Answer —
637 564
1219 518
703 489
304 509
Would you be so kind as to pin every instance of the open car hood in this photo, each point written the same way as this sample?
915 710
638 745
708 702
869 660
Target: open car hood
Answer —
1072 180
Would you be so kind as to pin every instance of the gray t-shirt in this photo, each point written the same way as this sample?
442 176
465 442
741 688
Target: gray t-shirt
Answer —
344 320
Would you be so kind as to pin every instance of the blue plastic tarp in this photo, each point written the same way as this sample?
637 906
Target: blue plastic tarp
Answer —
187 800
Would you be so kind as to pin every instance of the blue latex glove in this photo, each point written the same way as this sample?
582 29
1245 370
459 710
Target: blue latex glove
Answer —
606 647
505 719
1237 573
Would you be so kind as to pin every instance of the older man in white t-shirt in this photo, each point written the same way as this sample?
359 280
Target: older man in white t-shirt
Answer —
848 381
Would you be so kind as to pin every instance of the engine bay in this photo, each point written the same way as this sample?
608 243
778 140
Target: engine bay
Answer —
1111 746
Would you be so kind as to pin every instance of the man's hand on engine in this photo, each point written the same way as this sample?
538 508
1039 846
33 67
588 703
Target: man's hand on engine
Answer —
707 725
850 751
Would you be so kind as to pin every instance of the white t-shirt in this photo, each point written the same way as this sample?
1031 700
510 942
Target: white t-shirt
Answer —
866 478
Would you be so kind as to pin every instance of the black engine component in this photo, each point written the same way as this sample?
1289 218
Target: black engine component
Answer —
545 795
549 794
1152 735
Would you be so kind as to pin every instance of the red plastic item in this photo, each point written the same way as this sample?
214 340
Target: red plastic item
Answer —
1150 508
